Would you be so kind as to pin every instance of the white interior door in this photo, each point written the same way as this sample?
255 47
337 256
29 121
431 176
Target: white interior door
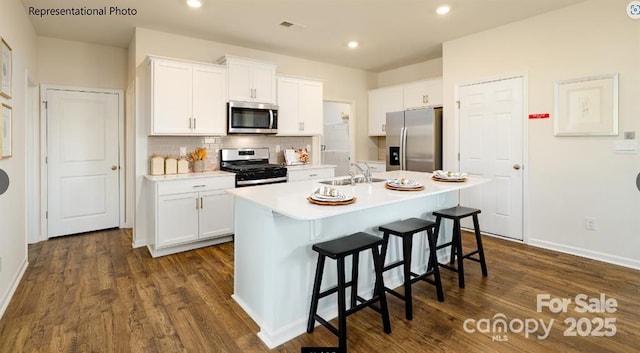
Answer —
83 161
491 145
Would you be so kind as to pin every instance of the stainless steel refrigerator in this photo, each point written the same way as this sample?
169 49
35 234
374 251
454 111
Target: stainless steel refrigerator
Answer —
414 140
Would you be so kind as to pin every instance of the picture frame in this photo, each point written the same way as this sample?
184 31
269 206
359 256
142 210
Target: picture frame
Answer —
6 131
586 106
6 68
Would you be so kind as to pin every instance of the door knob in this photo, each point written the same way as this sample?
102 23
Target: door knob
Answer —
516 166
113 167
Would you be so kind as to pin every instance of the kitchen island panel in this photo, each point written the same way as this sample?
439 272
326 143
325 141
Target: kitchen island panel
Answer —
275 265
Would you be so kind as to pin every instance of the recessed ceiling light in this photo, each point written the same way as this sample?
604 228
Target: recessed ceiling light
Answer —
353 44
194 3
443 10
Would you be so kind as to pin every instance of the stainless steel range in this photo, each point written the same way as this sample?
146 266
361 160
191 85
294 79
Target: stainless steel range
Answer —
251 166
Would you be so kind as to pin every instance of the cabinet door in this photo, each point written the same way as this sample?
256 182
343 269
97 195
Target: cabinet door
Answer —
311 108
415 95
239 86
170 98
177 219
264 83
381 102
288 106
209 100
434 92
216 214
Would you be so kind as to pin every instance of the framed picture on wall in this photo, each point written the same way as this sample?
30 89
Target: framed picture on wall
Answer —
6 65
587 106
6 129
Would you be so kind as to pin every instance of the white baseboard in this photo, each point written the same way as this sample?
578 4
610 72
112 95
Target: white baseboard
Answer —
594 255
138 243
12 288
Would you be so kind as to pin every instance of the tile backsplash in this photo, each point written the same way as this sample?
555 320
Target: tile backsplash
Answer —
170 145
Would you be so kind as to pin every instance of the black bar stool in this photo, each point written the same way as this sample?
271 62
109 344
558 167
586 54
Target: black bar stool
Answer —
338 249
405 229
456 214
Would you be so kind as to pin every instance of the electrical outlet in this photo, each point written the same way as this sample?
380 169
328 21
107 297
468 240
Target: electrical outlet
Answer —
277 148
183 151
590 223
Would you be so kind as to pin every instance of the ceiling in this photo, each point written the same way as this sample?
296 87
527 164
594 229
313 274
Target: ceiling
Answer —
392 33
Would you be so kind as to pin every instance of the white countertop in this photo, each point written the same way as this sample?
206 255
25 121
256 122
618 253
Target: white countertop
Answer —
309 166
290 199
209 174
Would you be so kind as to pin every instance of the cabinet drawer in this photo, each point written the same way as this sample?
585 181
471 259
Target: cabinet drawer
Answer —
195 185
310 174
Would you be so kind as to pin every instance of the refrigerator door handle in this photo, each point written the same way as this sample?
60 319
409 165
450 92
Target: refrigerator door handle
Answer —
403 148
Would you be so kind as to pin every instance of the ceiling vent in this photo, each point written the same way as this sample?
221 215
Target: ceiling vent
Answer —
289 24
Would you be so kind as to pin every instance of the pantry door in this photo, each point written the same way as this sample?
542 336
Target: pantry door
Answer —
491 145
82 161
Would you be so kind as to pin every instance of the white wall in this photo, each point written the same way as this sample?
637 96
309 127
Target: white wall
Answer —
20 35
69 63
415 72
569 178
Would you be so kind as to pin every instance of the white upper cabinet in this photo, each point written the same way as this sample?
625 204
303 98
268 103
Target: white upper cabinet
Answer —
250 80
299 106
413 95
209 100
382 101
187 98
420 94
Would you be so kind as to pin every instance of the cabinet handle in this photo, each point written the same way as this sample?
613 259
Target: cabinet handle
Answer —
190 124
199 186
201 202
195 126
313 175
426 98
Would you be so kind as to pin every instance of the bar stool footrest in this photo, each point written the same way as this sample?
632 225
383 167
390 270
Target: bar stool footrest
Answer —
326 324
448 267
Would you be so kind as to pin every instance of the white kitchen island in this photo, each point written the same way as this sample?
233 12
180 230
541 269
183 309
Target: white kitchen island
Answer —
275 227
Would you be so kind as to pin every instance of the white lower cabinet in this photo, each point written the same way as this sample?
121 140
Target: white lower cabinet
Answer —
307 173
216 214
177 220
190 213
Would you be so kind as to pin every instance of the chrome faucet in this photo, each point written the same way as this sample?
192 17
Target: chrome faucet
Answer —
365 173
352 177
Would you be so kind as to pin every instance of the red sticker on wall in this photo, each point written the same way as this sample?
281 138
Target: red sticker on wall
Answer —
539 116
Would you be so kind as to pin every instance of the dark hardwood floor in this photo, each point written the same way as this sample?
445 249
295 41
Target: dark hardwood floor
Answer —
94 293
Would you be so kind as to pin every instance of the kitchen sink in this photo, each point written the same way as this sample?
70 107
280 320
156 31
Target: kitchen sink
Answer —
347 181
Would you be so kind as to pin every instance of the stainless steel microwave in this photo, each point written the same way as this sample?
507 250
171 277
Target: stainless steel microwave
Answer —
252 118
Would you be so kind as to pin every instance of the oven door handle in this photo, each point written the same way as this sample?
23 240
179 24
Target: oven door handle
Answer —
261 181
